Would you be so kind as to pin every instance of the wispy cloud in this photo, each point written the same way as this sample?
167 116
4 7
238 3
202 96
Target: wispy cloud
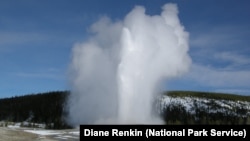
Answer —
220 58
212 77
20 37
219 36
235 61
50 73
223 47
10 41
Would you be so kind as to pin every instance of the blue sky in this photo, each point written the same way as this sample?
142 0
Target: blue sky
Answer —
36 38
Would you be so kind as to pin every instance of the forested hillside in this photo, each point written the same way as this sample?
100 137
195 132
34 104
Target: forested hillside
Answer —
188 107
46 108
175 107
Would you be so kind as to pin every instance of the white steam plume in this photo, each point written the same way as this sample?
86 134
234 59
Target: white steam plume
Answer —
116 73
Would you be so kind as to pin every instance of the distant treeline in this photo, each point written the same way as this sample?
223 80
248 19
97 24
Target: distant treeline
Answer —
210 95
215 108
49 108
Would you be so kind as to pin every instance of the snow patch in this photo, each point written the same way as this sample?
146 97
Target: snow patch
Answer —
213 105
44 132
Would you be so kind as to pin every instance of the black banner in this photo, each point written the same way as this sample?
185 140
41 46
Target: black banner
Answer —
238 132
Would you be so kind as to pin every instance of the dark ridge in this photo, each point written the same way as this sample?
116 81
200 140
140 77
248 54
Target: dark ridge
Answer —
49 108
211 95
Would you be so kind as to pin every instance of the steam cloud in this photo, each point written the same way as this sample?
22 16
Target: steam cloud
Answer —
117 72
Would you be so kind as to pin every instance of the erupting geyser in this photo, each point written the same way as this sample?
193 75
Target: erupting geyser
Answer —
116 73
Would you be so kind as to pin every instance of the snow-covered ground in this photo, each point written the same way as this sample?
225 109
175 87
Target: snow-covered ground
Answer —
212 105
44 132
73 134
40 133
